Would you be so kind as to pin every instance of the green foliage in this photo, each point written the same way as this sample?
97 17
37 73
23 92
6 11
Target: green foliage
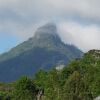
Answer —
5 96
76 89
80 80
24 89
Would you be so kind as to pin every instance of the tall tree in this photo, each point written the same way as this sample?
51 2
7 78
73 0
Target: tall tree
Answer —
24 89
75 88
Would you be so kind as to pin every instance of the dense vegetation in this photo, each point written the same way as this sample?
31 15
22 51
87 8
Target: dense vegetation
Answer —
80 80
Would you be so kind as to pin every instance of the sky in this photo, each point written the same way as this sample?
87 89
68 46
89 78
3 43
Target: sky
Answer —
78 21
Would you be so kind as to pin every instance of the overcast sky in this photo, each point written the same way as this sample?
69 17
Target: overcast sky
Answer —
78 21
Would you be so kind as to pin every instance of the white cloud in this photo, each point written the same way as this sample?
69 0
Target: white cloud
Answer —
22 17
83 8
84 37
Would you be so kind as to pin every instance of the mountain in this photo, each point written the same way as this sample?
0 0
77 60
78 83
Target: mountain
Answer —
43 51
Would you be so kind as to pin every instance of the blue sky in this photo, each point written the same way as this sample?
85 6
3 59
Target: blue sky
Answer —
78 21
7 42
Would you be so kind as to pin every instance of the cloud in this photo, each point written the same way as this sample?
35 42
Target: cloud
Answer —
84 37
21 18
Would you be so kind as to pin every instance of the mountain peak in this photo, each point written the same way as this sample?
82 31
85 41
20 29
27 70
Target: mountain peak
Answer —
49 28
48 33
43 51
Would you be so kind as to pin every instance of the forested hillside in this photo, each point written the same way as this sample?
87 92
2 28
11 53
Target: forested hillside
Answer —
80 80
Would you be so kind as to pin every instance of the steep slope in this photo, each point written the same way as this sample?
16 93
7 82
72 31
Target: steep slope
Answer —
43 51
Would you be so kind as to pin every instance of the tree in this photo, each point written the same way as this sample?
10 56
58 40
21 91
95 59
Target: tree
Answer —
75 88
24 89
